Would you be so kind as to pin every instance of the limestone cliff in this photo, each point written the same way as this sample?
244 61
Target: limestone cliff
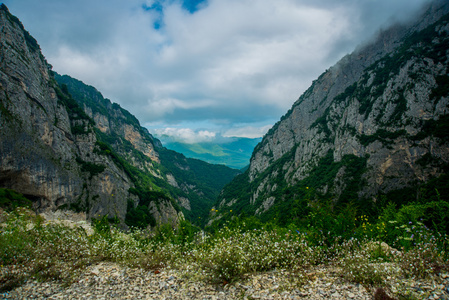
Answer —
374 124
64 146
43 152
193 184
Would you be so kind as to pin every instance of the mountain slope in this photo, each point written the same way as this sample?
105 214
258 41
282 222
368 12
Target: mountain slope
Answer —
63 146
193 184
371 129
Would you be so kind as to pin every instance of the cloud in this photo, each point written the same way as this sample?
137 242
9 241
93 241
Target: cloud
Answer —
220 62
247 131
187 135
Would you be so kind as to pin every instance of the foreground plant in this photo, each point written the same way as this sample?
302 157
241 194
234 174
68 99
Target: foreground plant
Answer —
30 248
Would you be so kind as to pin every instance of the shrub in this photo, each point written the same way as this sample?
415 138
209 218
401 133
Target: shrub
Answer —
421 261
10 199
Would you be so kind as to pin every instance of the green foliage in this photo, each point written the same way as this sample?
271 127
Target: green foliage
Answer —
91 168
102 227
148 196
140 215
10 200
386 137
349 92
48 251
442 88
325 172
5 113
399 109
88 95
438 128
322 124
206 180
293 201
31 42
79 129
73 109
84 94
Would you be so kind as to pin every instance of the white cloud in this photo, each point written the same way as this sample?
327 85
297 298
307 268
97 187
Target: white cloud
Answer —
187 135
247 131
233 61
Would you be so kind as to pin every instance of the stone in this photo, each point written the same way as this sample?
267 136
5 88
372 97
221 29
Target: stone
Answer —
331 121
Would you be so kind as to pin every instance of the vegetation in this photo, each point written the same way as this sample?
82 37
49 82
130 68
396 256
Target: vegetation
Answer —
31 42
384 136
232 152
91 168
292 200
322 123
403 234
442 88
204 180
73 108
397 244
10 199
288 198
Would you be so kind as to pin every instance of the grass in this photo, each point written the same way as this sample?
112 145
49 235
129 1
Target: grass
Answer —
33 249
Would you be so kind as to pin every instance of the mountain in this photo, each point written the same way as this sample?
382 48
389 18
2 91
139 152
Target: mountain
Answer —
234 152
371 130
64 146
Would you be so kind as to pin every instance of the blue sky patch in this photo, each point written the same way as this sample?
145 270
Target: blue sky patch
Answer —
157 7
193 5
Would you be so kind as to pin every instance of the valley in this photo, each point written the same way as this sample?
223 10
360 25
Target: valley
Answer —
346 196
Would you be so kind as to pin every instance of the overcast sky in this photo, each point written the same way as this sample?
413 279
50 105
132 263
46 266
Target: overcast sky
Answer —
203 67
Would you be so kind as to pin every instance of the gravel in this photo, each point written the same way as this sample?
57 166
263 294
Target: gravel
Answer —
112 281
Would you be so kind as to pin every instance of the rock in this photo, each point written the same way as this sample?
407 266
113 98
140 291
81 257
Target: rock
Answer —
340 118
51 151
140 283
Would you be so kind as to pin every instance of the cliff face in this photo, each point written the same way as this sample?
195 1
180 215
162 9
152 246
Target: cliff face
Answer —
41 155
64 146
192 184
375 123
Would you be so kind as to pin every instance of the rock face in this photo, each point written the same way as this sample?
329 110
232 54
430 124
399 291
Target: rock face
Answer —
83 152
192 184
373 124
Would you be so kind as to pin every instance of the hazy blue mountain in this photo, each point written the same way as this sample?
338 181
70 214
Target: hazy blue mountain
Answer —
234 152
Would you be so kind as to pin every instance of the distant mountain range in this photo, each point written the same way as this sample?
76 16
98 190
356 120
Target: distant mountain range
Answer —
234 152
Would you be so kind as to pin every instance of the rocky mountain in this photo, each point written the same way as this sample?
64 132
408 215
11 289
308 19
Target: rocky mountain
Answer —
372 129
64 146
234 152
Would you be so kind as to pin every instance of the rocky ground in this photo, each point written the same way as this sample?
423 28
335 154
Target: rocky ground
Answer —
107 280
111 281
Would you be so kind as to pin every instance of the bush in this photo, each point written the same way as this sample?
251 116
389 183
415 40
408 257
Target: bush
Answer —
10 199
30 248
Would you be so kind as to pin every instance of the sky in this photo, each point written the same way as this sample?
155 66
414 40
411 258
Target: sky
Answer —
203 68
